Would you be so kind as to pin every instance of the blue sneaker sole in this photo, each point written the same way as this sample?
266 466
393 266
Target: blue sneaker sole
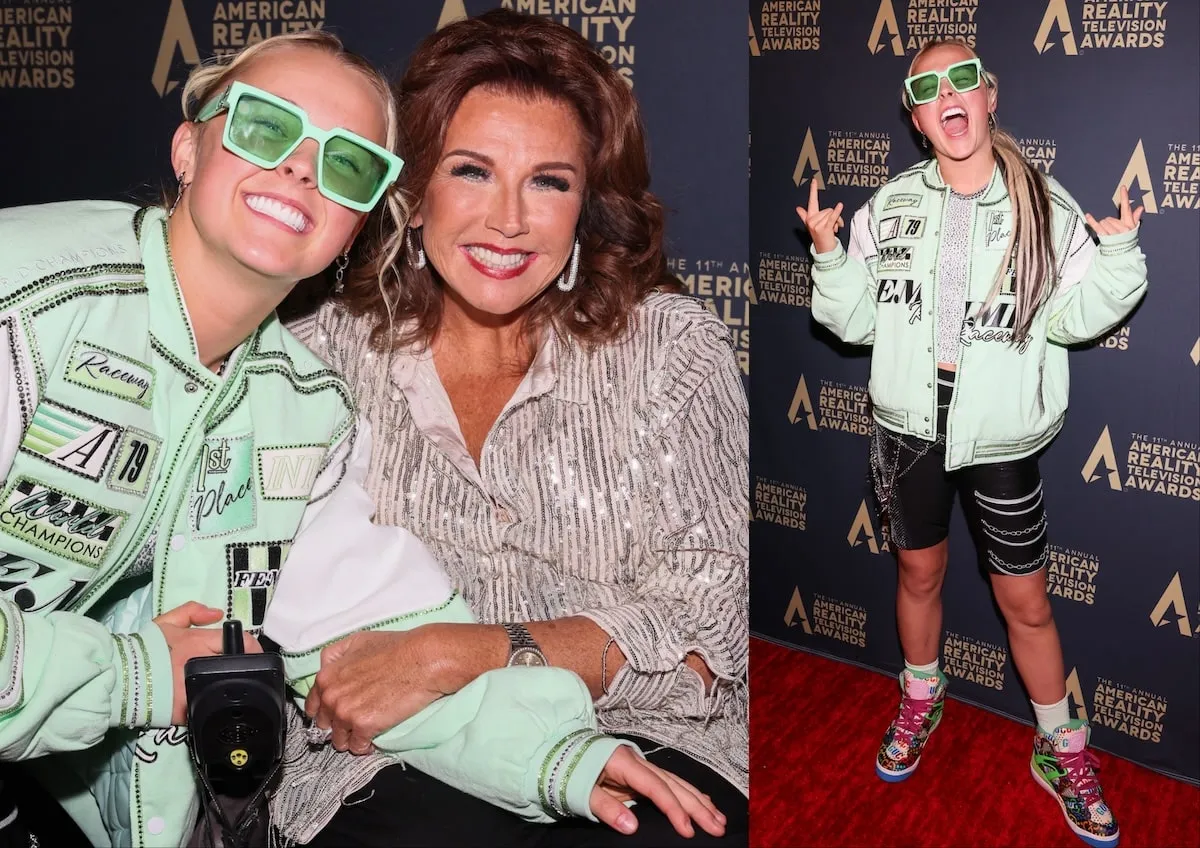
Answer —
896 776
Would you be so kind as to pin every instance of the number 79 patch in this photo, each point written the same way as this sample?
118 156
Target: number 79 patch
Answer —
133 468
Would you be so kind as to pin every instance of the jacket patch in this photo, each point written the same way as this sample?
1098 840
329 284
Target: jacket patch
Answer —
901 201
223 495
69 439
902 226
35 587
901 292
58 522
253 573
895 259
104 371
997 324
289 472
133 468
999 228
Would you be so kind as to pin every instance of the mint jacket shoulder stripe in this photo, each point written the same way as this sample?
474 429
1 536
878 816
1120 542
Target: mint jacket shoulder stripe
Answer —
116 441
1010 399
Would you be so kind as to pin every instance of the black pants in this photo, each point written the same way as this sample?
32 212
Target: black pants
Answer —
39 821
404 807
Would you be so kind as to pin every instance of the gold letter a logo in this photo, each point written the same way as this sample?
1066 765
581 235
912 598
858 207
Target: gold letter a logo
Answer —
808 159
1102 452
801 401
885 18
1137 172
1172 598
1075 699
796 611
862 527
452 10
1056 13
754 51
177 33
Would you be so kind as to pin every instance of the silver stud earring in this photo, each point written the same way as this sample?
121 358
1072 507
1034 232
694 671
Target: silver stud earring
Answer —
178 194
416 255
342 262
566 282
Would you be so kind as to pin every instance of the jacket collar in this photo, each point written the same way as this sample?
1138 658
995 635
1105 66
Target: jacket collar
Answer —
996 190
170 326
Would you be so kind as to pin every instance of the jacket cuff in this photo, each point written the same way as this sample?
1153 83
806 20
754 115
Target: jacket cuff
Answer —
141 660
1115 245
568 771
829 260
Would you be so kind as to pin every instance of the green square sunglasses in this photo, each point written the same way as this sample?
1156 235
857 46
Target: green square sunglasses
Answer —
265 130
924 88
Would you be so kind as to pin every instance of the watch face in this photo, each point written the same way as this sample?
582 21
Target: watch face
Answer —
525 656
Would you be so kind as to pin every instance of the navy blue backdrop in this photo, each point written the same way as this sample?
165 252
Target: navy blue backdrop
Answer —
1099 93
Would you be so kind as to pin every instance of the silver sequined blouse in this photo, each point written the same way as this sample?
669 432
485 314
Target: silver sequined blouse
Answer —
614 485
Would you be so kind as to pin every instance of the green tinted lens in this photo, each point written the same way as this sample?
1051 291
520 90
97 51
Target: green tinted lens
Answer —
263 129
963 77
924 88
351 171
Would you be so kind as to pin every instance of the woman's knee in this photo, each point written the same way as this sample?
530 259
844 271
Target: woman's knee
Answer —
922 571
1029 607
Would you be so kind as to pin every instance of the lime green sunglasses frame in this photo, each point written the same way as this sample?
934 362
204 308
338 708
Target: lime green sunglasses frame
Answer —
228 101
952 73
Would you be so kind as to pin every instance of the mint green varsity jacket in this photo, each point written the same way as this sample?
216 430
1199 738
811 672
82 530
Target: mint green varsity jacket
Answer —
122 454
1009 400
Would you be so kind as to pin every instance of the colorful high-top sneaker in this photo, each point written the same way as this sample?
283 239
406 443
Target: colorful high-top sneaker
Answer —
1066 769
920 712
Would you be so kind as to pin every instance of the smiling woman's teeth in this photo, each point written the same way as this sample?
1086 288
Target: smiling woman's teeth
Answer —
281 212
499 261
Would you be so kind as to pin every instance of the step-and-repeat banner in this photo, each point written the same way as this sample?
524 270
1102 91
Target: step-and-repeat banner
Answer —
1099 94
89 98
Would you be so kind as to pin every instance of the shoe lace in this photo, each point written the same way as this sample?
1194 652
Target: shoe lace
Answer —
912 716
1081 768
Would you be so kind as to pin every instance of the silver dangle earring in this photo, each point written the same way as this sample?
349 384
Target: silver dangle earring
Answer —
566 281
416 255
342 262
178 195
925 141
992 121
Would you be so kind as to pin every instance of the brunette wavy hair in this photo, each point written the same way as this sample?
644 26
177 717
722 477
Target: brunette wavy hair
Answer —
620 228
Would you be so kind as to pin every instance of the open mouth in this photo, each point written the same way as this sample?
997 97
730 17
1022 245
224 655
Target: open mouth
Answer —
498 263
277 210
955 122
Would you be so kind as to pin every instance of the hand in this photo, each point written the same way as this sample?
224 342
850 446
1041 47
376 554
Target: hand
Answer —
369 683
185 641
1114 226
627 775
822 224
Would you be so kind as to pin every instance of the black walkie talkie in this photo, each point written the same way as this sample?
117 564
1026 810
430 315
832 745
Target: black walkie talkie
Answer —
236 722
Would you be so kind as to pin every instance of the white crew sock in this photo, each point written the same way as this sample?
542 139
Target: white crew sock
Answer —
924 670
1050 717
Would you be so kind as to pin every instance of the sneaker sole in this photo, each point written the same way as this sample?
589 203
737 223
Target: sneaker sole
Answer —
896 776
1090 838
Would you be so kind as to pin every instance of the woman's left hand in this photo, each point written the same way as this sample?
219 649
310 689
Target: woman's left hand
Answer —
627 775
370 682
1114 226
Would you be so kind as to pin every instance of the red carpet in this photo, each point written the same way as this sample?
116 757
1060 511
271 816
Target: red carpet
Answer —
815 728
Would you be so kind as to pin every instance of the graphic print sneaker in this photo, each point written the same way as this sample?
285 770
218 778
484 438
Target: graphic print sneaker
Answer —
1066 769
920 711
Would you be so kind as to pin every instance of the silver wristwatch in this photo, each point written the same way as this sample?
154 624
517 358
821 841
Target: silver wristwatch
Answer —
522 649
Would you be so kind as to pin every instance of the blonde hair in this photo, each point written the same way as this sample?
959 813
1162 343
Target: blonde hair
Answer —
1029 254
381 240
